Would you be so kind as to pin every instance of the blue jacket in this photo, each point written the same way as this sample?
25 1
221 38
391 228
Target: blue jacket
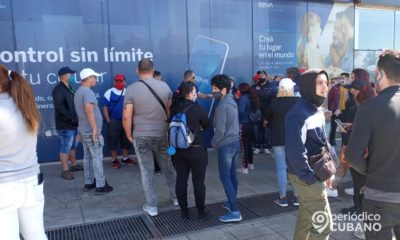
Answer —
244 106
304 137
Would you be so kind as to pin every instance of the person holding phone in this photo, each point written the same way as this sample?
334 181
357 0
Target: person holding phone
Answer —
21 184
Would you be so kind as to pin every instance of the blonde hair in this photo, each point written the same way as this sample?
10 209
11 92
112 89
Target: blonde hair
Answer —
283 92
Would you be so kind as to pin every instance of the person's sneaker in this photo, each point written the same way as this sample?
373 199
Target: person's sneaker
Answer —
349 191
295 201
256 151
332 192
75 168
204 215
266 151
157 172
226 206
89 187
152 211
282 202
103 190
116 164
128 161
359 233
251 166
175 201
243 170
67 175
231 217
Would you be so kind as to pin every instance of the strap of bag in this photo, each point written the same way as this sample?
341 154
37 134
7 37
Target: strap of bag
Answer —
156 96
112 109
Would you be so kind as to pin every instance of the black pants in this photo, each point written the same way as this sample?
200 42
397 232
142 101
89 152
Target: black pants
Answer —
194 160
332 134
358 184
246 136
389 219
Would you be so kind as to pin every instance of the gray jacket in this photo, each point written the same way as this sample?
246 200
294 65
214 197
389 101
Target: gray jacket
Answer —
226 122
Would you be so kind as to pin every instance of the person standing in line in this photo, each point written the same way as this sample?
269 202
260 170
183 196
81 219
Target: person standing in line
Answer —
227 141
89 128
21 184
376 127
304 137
275 117
113 101
195 158
247 103
66 121
145 115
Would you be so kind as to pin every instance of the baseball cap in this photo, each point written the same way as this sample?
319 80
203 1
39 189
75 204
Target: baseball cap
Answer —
65 70
357 84
286 83
87 72
119 77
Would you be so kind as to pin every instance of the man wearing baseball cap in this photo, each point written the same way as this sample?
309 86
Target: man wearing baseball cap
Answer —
66 121
89 128
113 103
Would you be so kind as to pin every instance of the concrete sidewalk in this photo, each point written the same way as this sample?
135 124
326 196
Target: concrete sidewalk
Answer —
67 205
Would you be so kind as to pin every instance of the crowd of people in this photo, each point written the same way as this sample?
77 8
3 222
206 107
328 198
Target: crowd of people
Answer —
286 115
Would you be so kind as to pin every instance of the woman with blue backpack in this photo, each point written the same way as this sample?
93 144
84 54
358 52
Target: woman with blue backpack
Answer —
189 120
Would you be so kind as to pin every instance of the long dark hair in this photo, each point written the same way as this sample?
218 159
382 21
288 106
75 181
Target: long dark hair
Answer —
22 93
244 88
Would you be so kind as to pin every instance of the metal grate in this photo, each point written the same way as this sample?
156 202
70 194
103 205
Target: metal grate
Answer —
120 229
264 206
170 223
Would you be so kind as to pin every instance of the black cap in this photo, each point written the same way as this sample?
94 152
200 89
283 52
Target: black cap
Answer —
65 70
357 84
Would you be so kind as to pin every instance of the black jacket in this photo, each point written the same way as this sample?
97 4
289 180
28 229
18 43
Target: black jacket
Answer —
275 115
196 118
64 108
377 127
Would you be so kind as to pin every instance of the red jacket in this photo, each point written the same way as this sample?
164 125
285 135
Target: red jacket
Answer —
334 98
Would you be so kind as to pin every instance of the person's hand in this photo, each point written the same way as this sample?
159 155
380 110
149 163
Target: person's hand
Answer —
328 115
265 122
78 138
337 112
347 126
130 138
95 136
329 182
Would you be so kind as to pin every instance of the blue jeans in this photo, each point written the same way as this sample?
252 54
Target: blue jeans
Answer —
281 170
227 158
261 136
67 139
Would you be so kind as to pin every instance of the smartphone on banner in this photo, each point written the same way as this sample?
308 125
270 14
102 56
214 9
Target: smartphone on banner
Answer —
207 59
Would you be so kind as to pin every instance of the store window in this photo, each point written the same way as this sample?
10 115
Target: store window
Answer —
374 29
397 31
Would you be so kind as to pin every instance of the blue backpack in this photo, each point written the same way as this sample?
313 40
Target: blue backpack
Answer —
180 135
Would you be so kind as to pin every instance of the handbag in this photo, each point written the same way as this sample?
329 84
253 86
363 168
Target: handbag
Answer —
324 164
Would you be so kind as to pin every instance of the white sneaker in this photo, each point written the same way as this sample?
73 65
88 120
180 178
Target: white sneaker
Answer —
256 151
243 170
349 191
266 151
175 201
251 166
332 192
359 233
152 211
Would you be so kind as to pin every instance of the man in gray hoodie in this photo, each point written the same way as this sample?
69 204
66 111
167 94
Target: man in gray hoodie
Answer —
226 141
